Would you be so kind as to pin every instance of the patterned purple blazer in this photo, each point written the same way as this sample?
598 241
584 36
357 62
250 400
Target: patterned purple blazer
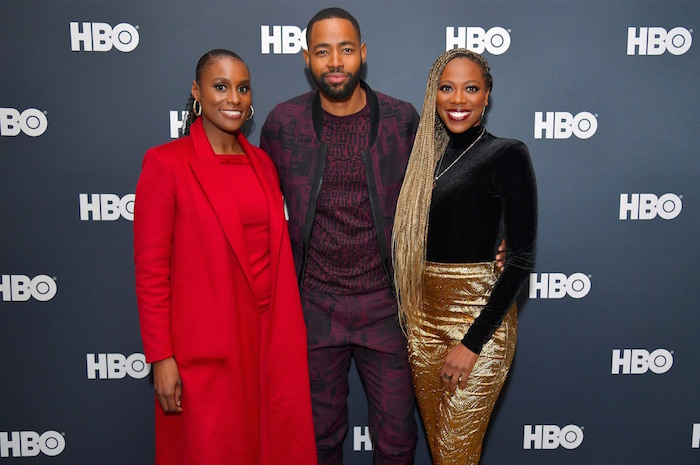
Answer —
290 136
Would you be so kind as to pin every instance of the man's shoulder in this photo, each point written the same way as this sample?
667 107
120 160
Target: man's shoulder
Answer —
402 113
393 108
295 111
388 102
295 104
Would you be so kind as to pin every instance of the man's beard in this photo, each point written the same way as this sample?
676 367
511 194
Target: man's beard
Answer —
340 93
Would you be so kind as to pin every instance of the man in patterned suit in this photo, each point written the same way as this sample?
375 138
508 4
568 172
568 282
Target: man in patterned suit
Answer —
341 153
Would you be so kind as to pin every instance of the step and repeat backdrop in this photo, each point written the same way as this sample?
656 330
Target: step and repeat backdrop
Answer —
605 95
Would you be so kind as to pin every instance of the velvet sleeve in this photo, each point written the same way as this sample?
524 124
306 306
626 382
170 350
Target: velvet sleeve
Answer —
515 182
154 216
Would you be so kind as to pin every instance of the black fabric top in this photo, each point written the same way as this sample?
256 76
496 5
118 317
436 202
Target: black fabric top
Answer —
488 194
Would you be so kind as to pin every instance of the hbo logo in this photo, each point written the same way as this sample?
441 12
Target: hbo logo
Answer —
106 207
177 119
695 442
558 285
496 40
656 41
20 288
551 437
561 125
31 121
361 438
117 366
282 39
30 443
639 361
648 206
101 37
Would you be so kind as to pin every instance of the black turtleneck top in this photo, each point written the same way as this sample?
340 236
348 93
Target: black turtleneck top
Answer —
490 193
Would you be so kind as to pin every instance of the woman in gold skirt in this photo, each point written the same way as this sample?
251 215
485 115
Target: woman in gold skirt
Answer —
464 191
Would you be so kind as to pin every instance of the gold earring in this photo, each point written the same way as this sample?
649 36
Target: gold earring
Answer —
197 107
252 112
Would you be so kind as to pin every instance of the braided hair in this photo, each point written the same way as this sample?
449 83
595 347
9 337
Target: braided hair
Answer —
409 237
202 64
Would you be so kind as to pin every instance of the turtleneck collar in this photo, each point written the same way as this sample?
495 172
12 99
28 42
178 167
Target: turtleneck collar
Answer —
462 140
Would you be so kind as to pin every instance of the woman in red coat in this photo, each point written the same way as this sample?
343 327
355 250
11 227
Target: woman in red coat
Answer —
218 301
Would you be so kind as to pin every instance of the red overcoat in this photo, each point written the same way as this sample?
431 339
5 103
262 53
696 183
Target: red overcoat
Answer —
244 372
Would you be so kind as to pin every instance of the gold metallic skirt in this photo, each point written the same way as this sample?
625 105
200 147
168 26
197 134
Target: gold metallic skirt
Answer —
453 296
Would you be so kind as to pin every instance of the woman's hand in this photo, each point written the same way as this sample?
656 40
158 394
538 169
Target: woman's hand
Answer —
168 385
501 255
458 365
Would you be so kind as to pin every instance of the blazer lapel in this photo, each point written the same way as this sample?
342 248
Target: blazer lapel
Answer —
220 196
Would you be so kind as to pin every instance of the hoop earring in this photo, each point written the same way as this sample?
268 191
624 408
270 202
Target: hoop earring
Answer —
197 107
252 112
483 110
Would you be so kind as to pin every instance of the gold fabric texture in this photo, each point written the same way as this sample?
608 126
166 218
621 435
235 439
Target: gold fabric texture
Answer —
453 296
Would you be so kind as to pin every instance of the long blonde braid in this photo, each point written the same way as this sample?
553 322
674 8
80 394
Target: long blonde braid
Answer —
411 220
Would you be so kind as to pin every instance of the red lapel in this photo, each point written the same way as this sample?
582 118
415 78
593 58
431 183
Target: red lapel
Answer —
220 196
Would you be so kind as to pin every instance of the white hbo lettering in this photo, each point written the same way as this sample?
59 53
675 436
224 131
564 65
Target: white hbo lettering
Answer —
177 119
656 40
361 438
649 206
558 285
31 122
106 207
20 288
117 366
551 437
31 443
496 40
101 37
640 361
287 40
695 443
561 125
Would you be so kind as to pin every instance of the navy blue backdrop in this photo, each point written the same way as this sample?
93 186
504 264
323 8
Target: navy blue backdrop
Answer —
604 94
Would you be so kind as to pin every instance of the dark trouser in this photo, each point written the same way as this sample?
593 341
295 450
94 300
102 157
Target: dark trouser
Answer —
363 326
